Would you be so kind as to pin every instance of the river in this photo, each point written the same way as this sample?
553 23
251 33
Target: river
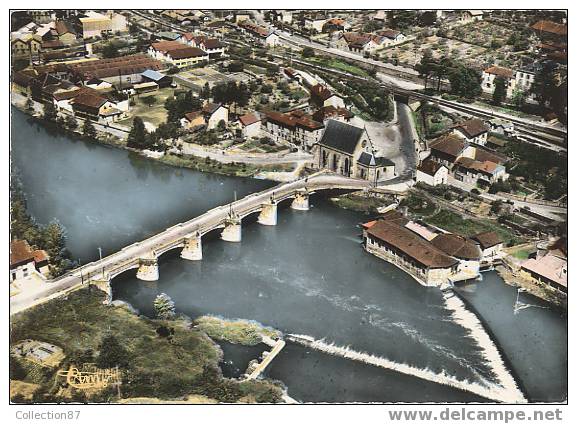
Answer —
308 275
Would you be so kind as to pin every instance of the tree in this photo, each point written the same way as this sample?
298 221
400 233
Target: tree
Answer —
205 92
71 123
372 26
308 52
110 51
111 353
164 306
426 66
137 136
149 100
88 129
236 66
519 98
50 112
465 82
500 91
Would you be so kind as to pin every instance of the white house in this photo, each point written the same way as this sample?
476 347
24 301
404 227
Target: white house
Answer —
251 124
494 72
213 114
322 96
432 173
471 16
491 245
25 262
472 130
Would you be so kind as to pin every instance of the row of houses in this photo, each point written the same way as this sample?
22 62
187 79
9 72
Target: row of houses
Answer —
461 153
520 79
259 33
369 42
430 255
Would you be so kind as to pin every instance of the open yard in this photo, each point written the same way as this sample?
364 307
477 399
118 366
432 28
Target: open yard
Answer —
154 114
473 44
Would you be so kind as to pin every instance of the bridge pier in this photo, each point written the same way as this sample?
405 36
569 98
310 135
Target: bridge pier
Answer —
268 215
192 248
148 268
103 284
232 229
301 201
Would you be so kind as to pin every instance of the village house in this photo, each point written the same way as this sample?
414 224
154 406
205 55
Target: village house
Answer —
97 106
548 266
212 46
315 24
492 73
491 245
65 32
262 34
389 238
391 37
360 42
472 130
250 125
432 173
25 262
325 113
468 16
26 47
473 172
98 84
295 128
213 114
193 120
347 150
448 148
322 96
336 24
177 53
465 250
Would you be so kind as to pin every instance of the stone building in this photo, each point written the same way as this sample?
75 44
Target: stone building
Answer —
347 150
25 262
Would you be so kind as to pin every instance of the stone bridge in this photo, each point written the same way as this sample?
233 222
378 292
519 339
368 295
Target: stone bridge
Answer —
187 236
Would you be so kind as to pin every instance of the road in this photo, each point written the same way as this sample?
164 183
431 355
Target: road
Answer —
125 258
553 212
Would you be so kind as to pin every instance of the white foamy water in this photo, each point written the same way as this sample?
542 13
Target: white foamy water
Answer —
469 321
488 390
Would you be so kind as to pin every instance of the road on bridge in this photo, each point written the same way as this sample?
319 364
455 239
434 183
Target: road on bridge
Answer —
207 221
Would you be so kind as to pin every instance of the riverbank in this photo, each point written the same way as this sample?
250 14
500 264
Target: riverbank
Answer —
248 333
235 169
538 290
362 201
169 366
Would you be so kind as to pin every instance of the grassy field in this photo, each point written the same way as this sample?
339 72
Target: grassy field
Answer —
338 65
237 331
360 203
155 114
159 367
455 223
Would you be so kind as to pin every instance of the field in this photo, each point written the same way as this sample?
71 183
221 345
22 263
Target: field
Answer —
153 115
338 65
473 44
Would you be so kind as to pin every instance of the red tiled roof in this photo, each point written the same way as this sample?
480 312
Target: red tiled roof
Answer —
500 72
488 239
457 246
429 167
20 253
330 111
191 116
293 119
550 27
472 127
321 91
186 53
248 119
450 144
411 244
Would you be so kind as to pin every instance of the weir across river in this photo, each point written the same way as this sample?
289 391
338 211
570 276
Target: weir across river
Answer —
187 236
